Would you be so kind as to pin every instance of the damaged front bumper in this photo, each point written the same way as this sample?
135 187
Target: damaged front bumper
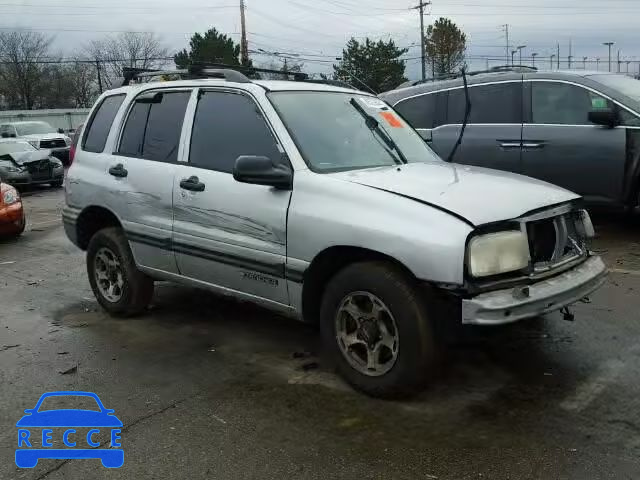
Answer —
506 306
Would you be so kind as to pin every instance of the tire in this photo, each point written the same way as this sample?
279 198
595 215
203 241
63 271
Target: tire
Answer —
417 348
135 289
21 228
57 184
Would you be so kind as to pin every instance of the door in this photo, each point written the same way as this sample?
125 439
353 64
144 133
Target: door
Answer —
561 146
228 233
141 172
494 130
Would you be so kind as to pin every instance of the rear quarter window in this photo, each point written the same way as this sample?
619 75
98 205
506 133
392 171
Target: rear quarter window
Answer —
100 123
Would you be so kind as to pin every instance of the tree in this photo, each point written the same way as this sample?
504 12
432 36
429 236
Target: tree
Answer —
445 46
376 64
129 49
21 66
212 47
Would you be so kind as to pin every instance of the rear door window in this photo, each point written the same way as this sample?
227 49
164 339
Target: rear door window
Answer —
419 112
152 130
100 123
490 104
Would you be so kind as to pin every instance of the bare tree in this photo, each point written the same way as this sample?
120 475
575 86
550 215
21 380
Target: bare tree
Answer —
129 49
21 67
82 78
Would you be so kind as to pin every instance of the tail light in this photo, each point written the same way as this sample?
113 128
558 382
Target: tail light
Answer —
72 153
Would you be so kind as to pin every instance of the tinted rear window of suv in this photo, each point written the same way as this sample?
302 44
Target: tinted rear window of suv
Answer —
100 123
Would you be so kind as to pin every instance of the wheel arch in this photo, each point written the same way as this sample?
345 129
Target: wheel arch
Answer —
91 220
328 263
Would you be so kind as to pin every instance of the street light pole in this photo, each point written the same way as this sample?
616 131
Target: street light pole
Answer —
520 48
513 52
552 57
597 63
533 59
609 44
584 63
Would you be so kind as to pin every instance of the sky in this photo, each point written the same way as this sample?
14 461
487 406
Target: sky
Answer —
315 31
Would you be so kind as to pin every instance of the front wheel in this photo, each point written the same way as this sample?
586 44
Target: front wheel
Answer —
120 288
377 329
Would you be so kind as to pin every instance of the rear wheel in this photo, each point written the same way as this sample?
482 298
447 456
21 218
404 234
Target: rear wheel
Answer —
57 184
117 284
377 329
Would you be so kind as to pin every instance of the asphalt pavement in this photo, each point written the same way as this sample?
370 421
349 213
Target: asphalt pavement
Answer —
207 387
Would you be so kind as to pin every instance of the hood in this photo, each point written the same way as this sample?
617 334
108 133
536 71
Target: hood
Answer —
479 195
29 156
44 136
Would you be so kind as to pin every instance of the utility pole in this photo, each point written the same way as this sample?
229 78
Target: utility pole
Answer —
558 57
609 44
533 59
420 8
597 63
506 48
99 75
244 47
584 63
570 56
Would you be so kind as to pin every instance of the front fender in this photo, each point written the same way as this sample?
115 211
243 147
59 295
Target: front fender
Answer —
326 212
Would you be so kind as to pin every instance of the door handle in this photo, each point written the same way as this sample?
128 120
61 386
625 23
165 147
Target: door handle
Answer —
192 183
118 171
510 144
533 145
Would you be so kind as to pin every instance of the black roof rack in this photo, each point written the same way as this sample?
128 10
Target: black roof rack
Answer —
230 73
451 76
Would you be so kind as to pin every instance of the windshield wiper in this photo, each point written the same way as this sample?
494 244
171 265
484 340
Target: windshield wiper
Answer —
374 126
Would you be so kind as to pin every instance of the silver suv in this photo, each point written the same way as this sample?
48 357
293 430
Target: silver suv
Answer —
321 203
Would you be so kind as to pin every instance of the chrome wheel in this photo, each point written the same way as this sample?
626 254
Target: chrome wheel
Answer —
367 333
109 275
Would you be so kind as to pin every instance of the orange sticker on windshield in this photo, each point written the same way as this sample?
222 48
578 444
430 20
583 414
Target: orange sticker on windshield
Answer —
391 119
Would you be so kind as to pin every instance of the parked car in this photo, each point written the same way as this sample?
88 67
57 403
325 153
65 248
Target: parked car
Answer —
12 220
40 135
576 129
319 202
21 164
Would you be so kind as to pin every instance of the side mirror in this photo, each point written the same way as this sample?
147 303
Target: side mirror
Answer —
60 130
29 410
262 171
605 117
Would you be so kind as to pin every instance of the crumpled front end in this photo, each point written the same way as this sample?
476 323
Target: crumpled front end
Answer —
561 271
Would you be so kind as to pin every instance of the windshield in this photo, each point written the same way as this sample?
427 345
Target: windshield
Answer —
333 134
31 128
12 147
626 85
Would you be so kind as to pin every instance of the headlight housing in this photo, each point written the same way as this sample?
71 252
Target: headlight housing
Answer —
10 196
496 253
9 167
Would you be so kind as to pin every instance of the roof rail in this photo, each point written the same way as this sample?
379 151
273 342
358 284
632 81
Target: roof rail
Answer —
451 76
231 73
194 71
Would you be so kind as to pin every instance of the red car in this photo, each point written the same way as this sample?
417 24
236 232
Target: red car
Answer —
12 221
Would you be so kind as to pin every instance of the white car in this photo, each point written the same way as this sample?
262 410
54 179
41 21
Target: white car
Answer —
41 135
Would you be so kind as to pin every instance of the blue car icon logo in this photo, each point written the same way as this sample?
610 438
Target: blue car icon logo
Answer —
79 430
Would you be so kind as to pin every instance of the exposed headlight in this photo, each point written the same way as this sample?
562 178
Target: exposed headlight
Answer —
10 196
496 253
35 143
